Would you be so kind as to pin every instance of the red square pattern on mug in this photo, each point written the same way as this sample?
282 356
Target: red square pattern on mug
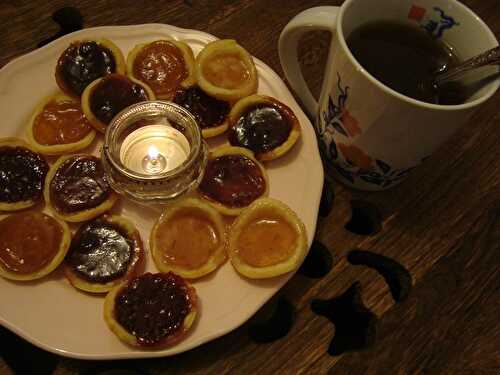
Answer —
416 13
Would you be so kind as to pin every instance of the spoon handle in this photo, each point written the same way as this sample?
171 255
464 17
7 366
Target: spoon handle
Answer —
490 57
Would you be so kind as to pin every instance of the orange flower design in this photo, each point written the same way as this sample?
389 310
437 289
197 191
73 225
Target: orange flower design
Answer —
355 155
351 125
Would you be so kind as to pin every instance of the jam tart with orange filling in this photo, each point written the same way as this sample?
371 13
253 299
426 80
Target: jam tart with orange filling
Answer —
22 172
32 245
103 253
76 188
264 125
58 126
233 179
84 61
267 239
189 239
164 65
152 311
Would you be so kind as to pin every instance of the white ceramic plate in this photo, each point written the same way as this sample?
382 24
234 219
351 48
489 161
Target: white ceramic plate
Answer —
54 316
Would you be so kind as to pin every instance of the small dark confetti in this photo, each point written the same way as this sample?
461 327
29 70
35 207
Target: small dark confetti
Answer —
327 199
365 218
318 262
275 327
15 352
69 19
397 277
355 325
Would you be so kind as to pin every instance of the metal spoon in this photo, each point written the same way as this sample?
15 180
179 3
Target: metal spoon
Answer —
490 57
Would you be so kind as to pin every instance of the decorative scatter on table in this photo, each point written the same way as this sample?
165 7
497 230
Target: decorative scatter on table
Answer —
17 351
365 219
69 19
355 324
398 278
318 262
327 199
276 326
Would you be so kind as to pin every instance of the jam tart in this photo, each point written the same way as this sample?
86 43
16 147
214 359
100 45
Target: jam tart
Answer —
22 172
76 188
82 62
226 71
267 239
103 253
233 179
210 113
164 65
32 245
189 239
152 311
264 125
58 126
105 97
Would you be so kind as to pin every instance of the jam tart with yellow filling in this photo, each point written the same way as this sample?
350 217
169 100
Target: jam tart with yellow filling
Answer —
267 239
84 61
164 65
226 71
264 125
76 188
189 239
32 245
58 126
22 172
103 253
233 179
152 311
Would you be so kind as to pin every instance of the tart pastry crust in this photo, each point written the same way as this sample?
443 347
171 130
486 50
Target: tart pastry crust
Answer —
96 85
226 71
277 247
127 229
22 204
110 314
85 214
119 65
255 101
59 148
30 238
198 233
154 81
223 151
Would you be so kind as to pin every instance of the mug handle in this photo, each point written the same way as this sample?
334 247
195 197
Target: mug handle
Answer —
318 18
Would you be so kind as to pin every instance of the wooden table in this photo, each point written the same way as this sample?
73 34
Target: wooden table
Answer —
442 223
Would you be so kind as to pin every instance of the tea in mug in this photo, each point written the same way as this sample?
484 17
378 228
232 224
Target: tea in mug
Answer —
405 58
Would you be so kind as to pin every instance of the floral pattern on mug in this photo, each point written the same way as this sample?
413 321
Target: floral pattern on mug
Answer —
355 156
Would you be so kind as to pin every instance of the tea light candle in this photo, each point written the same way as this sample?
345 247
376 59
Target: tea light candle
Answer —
154 149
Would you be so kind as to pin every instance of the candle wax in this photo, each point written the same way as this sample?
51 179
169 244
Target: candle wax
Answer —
154 149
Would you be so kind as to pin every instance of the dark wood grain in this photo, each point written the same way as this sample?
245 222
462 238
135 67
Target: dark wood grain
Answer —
441 223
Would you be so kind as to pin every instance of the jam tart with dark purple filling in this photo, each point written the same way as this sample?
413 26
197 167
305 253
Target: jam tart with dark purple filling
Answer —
103 253
233 179
84 61
152 311
22 175
164 65
210 113
76 188
105 97
264 125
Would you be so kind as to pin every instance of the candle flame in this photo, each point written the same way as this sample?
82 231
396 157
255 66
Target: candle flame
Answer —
153 152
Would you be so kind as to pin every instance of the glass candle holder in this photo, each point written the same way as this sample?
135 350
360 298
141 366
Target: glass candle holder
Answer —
153 152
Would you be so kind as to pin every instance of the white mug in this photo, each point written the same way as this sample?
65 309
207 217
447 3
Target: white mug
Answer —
370 135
